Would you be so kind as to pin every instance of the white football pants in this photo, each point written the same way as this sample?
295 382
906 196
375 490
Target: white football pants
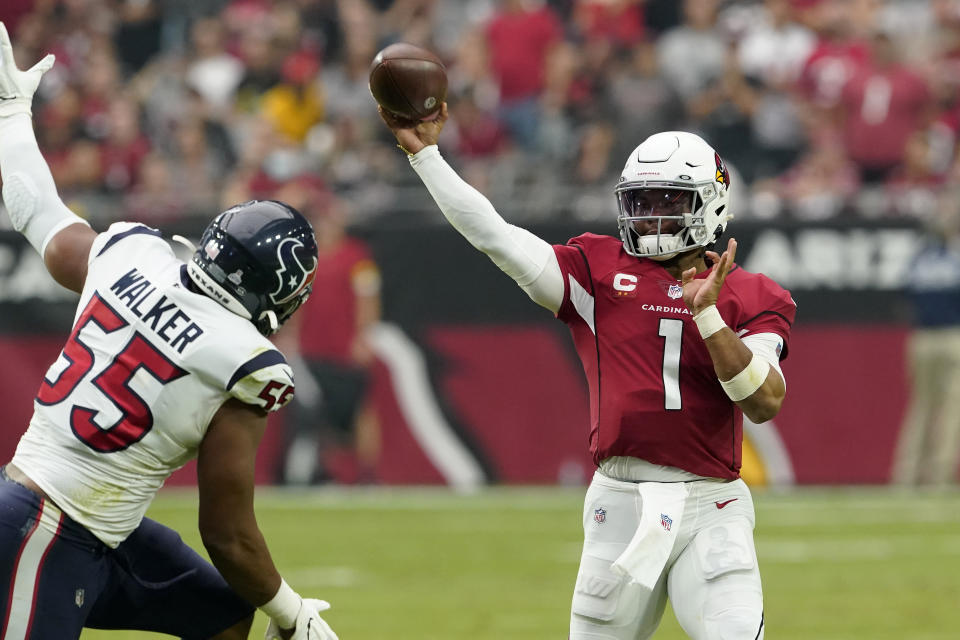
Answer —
711 574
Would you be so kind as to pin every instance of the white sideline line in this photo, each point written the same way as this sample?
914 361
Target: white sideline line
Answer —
797 507
319 576
448 501
846 498
889 516
573 501
856 549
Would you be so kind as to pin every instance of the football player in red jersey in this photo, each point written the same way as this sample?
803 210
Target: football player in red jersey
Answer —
675 352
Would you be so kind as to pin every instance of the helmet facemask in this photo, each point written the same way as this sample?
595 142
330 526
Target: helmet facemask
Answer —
659 221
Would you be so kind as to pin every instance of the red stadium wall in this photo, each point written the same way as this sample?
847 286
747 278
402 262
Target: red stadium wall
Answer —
504 377
842 414
518 396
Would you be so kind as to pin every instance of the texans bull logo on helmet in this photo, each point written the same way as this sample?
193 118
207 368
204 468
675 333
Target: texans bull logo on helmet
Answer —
292 276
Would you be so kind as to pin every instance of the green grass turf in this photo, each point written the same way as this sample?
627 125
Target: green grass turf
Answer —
421 564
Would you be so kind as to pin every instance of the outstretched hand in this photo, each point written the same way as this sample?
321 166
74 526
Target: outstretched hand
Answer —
414 136
700 294
17 87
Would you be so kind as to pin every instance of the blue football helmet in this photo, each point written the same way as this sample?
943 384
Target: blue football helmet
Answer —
258 259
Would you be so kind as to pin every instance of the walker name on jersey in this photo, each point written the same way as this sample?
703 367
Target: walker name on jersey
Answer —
168 321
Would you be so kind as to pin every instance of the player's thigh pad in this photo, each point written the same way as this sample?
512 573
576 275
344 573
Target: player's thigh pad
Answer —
158 583
598 589
625 612
605 606
715 584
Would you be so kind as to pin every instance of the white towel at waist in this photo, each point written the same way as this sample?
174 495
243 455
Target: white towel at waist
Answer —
661 512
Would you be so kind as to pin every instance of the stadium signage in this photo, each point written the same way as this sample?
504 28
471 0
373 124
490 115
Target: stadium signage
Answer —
825 258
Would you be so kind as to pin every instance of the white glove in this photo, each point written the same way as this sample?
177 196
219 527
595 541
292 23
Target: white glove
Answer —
17 87
309 625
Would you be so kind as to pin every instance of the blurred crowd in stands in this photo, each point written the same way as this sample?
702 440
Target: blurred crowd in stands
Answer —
159 110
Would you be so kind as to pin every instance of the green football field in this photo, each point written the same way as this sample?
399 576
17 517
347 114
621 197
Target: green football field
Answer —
421 564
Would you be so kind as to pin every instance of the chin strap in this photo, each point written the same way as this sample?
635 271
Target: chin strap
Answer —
180 239
271 325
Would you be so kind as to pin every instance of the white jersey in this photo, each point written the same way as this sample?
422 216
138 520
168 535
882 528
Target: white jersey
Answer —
146 367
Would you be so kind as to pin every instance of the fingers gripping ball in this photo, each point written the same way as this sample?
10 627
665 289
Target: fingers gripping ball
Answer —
408 81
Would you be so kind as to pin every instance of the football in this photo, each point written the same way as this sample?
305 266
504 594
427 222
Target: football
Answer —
408 81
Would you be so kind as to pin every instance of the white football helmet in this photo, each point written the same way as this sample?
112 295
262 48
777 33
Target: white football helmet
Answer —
674 196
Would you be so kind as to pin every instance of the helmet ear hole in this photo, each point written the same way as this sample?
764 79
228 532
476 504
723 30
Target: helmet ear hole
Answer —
719 232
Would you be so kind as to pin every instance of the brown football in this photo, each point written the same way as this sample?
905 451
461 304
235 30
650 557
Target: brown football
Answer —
408 81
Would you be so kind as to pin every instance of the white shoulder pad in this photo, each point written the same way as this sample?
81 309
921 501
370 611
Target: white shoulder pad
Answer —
118 231
265 381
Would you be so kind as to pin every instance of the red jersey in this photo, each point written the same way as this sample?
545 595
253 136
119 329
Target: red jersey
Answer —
518 42
654 394
884 107
331 310
829 67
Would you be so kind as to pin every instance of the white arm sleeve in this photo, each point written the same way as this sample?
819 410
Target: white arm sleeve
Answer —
29 193
765 345
521 255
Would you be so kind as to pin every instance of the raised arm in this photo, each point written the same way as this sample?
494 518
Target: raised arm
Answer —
526 258
61 237
745 372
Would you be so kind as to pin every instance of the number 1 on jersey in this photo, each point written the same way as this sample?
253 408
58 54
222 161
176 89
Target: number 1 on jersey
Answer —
671 331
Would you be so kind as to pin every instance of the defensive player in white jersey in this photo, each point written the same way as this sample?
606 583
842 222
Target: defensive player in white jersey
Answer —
166 362
666 513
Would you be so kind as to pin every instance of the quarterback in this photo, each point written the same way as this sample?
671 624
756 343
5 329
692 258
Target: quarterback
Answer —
166 362
677 343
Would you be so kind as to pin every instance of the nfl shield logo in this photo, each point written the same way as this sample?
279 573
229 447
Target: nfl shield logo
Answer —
675 291
211 249
665 521
78 597
600 515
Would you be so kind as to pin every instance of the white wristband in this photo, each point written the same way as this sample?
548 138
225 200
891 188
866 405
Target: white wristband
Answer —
709 321
745 383
284 606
